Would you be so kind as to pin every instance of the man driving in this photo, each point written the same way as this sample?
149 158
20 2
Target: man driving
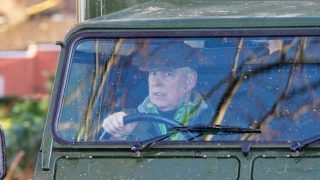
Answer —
172 80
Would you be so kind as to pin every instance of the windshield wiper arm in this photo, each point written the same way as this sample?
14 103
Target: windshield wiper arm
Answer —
297 146
149 142
215 129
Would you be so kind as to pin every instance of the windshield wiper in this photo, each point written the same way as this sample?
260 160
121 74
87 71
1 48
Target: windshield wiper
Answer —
215 129
297 146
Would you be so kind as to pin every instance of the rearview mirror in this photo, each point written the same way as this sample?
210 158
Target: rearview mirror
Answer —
3 164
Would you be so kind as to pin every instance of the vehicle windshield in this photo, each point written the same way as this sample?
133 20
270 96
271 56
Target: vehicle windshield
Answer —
128 89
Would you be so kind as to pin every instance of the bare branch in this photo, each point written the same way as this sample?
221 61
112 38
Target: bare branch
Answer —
263 124
84 129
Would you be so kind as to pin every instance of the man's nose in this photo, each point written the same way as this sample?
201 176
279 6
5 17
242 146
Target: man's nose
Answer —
157 79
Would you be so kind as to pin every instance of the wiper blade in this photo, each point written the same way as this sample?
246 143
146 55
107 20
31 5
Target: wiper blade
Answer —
297 146
215 129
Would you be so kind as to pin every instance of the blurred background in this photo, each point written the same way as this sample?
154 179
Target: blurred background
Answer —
28 60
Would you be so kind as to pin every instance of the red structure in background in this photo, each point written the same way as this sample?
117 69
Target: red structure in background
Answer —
22 73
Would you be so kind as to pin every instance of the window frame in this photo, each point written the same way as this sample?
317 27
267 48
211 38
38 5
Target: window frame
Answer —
73 39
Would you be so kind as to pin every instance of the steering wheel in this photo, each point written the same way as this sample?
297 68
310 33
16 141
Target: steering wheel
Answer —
149 117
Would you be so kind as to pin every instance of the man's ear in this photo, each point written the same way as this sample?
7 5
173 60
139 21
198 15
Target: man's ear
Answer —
191 81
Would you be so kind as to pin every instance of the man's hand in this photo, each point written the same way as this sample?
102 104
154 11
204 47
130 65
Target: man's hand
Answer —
114 126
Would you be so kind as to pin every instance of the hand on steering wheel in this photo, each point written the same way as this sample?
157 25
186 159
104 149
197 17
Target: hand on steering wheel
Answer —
144 117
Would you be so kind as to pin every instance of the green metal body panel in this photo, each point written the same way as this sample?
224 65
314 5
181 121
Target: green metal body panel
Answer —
205 162
122 168
286 168
211 14
265 161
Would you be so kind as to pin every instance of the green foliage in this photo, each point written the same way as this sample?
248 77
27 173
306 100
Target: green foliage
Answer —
27 120
6 103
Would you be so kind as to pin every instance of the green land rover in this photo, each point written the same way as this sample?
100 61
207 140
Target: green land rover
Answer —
186 89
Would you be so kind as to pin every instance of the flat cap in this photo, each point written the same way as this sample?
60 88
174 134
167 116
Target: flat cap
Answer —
166 56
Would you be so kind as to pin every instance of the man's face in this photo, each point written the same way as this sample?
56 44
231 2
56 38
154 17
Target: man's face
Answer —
167 89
